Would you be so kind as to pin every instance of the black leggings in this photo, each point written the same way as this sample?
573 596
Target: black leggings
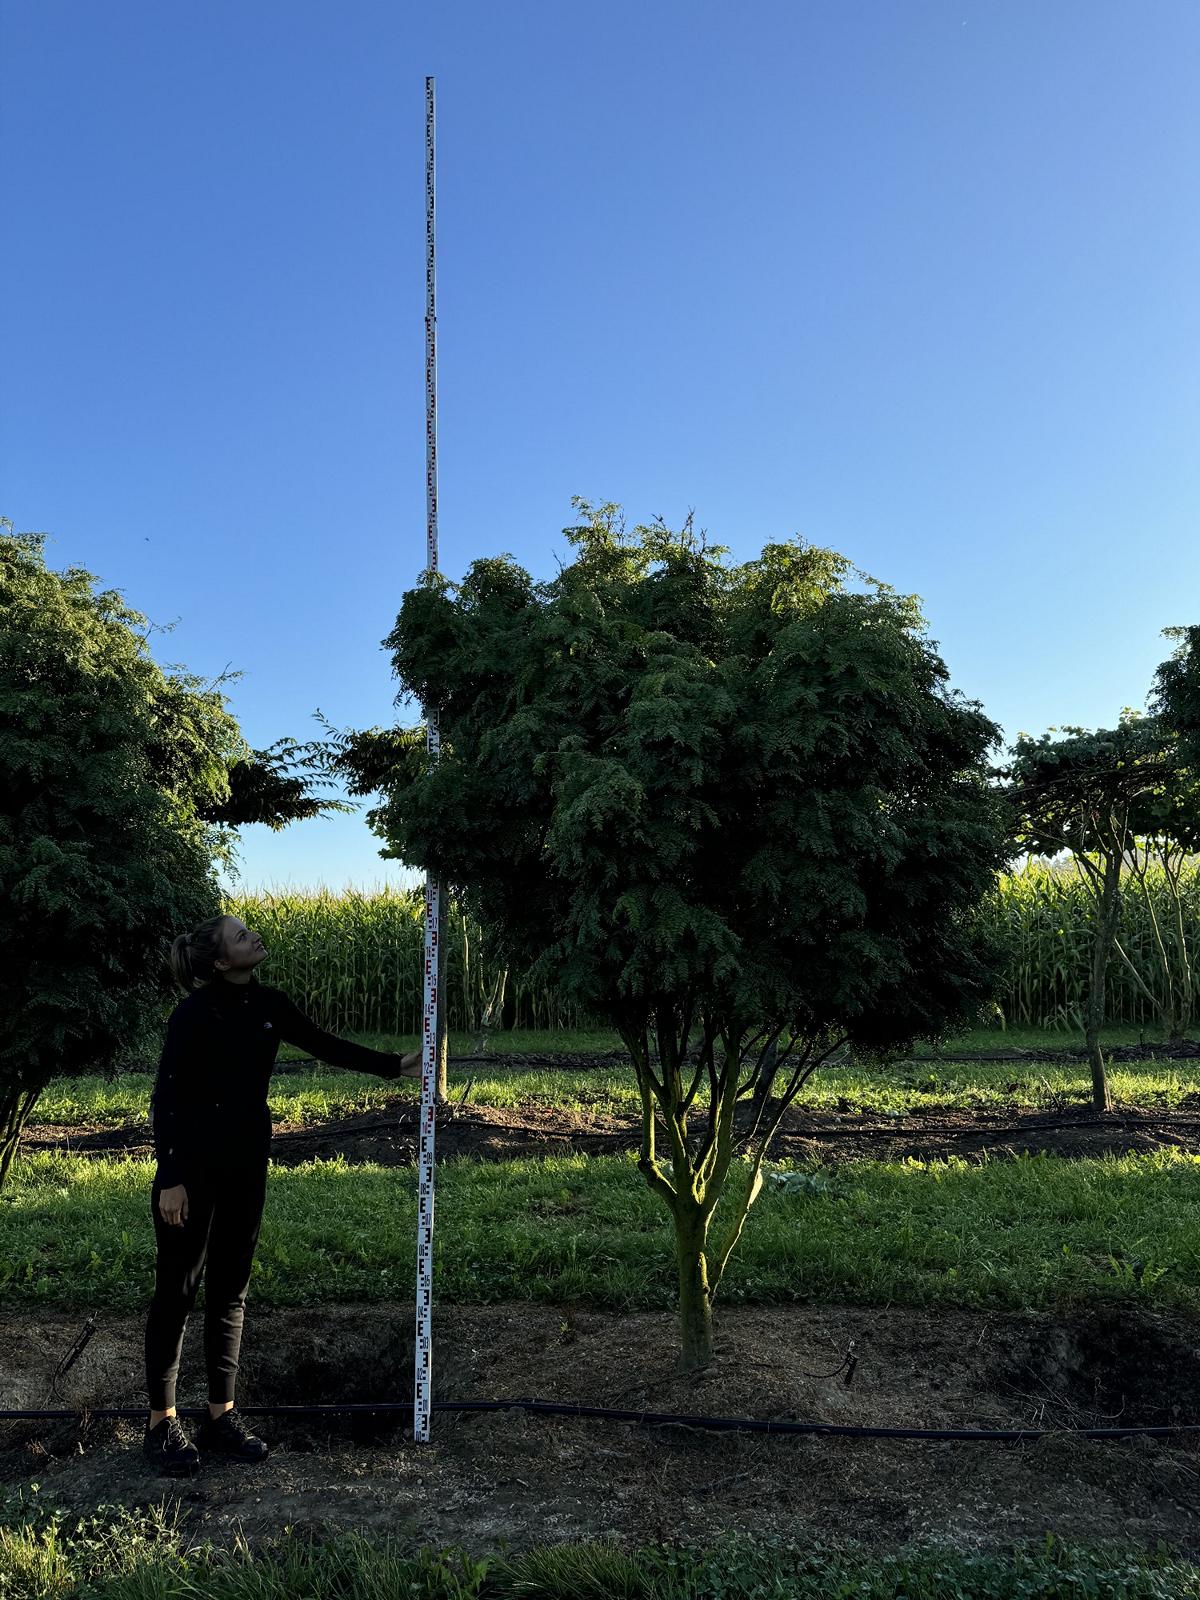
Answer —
224 1213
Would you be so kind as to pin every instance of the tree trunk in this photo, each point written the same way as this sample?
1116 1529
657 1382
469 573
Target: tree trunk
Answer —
695 1302
1107 909
16 1104
1101 1094
493 1007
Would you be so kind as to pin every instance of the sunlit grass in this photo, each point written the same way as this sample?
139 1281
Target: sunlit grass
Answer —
1030 1232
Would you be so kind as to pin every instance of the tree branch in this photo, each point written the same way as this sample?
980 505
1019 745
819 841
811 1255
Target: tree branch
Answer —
804 1071
706 1061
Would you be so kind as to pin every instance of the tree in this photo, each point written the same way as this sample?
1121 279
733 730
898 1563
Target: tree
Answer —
1175 696
1112 798
120 788
734 808
1175 701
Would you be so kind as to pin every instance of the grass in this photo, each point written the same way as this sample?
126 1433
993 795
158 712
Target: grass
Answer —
118 1554
322 1093
1034 1232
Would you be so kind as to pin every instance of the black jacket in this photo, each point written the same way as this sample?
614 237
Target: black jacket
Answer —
210 1095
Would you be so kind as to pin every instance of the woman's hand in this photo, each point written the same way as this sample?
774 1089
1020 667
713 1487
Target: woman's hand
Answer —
173 1206
410 1065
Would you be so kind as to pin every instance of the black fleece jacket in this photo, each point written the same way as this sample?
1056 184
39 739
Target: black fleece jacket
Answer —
209 1103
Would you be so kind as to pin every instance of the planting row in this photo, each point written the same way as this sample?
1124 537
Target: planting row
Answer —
307 1095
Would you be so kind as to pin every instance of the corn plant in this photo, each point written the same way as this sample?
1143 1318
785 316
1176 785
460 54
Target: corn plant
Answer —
1046 916
356 961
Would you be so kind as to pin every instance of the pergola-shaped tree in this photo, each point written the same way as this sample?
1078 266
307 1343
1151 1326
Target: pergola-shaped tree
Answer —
1104 796
1175 703
733 808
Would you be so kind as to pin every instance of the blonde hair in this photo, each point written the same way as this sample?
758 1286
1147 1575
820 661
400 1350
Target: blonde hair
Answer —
193 954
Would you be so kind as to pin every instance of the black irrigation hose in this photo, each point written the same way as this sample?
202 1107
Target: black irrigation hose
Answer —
656 1419
652 1419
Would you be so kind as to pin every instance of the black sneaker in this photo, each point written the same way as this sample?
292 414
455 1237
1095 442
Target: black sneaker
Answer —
168 1448
228 1435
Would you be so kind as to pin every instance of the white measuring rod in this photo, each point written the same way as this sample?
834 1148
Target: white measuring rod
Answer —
423 1361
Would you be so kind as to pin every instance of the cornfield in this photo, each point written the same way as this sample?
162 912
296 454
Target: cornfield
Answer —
356 960
356 963
1046 915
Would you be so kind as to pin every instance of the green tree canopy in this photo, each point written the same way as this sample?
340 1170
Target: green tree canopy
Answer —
120 786
1088 791
733 807
1175 697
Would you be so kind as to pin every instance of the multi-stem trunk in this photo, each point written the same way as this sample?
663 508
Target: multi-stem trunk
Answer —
693 1184
662 1094
492 1007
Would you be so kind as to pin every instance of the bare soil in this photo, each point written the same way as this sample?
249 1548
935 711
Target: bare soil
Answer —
528 1480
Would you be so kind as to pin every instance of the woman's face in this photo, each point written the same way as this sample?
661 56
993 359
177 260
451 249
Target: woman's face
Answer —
243 950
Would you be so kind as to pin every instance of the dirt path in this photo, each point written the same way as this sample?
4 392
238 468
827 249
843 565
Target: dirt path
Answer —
531 1480
503 1133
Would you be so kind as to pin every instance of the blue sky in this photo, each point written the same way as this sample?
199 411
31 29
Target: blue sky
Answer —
916 280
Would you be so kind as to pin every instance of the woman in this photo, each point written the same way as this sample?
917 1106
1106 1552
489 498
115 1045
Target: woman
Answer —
212 1137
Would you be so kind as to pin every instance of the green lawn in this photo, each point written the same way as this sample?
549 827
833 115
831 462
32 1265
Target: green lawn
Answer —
1010 1234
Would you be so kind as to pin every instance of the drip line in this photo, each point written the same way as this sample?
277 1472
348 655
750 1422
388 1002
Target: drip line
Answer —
648 1419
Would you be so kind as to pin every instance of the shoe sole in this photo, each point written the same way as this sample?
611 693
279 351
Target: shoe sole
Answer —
217 1452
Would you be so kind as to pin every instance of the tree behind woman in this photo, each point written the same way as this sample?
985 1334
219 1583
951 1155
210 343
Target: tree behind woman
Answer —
120 786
